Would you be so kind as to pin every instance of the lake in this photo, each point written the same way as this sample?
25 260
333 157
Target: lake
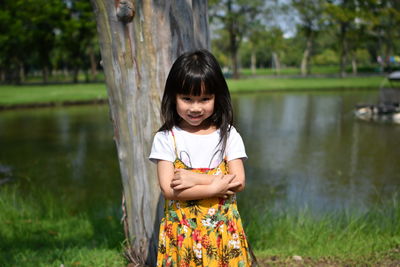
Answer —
306 151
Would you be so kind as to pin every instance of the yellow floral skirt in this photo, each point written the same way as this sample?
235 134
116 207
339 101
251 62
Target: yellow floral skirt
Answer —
206 232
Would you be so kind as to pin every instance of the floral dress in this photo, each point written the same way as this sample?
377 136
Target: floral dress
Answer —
206 232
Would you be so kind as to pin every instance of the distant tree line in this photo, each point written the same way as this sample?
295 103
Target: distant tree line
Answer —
47 38
347 33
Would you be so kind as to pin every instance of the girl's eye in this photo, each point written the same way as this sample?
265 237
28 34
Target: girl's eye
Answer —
185 98
206 99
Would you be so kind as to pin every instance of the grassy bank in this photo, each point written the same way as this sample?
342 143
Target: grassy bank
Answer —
278 84
336 239
44 230
315 70
29 94
57 94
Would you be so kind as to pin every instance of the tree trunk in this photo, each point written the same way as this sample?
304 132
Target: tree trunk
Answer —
344 49
233 40
139 41
253 60
45 73
21 72
354 64
276 62
75 74
93 64
305 62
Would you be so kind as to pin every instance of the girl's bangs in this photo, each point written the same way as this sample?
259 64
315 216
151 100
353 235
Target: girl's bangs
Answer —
195 86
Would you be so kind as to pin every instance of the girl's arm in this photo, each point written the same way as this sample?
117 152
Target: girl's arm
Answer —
219 187
236 168
185 179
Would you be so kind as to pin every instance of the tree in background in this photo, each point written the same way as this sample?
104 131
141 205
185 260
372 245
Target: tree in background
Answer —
14 42
256 37
275 41
139 41
40 38
28 33
310 13
42 35
343 14
264 47
78 39
384 30
235 17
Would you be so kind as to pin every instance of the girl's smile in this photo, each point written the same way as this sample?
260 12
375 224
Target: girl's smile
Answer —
194 110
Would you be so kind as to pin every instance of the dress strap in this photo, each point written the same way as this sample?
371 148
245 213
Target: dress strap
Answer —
175 147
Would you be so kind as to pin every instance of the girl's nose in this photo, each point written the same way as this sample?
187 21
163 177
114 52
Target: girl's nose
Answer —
195 107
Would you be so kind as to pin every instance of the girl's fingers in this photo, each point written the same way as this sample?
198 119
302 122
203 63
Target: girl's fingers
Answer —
234 184
175 183
178 187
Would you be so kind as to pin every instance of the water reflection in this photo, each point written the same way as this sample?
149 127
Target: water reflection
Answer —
68 152
305 150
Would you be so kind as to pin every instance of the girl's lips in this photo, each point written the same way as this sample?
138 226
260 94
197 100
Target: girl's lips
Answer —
195 117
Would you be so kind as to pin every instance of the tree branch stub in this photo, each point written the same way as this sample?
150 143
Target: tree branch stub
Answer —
125 11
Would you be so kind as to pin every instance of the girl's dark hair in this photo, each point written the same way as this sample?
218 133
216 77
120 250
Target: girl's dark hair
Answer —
196 73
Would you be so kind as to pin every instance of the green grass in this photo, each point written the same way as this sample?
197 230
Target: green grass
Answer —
268 84
59 78
344 237
315 70
268 71
42 230
28 94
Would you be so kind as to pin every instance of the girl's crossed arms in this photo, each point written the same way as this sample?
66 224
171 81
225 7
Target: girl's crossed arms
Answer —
181 184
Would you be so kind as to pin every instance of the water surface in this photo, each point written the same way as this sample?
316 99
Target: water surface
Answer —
306 150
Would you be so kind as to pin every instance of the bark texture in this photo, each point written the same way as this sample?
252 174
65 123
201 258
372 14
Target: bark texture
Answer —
139 40
305 62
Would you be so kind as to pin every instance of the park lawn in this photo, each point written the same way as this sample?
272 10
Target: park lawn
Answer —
315 70
278 84
331 70
35 94
57 94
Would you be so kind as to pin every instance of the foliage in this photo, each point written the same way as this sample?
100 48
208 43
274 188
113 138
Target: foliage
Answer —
58 37
326 32
77 40
41 35
28 26
327 57
235 17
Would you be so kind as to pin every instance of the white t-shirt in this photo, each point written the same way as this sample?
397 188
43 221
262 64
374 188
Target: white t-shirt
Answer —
196 151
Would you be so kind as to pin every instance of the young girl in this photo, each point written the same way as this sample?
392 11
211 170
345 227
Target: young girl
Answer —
199 156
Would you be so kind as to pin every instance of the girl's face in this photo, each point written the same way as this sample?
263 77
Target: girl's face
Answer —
194 110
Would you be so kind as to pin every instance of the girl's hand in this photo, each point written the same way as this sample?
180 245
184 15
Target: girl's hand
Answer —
223 186
181 180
